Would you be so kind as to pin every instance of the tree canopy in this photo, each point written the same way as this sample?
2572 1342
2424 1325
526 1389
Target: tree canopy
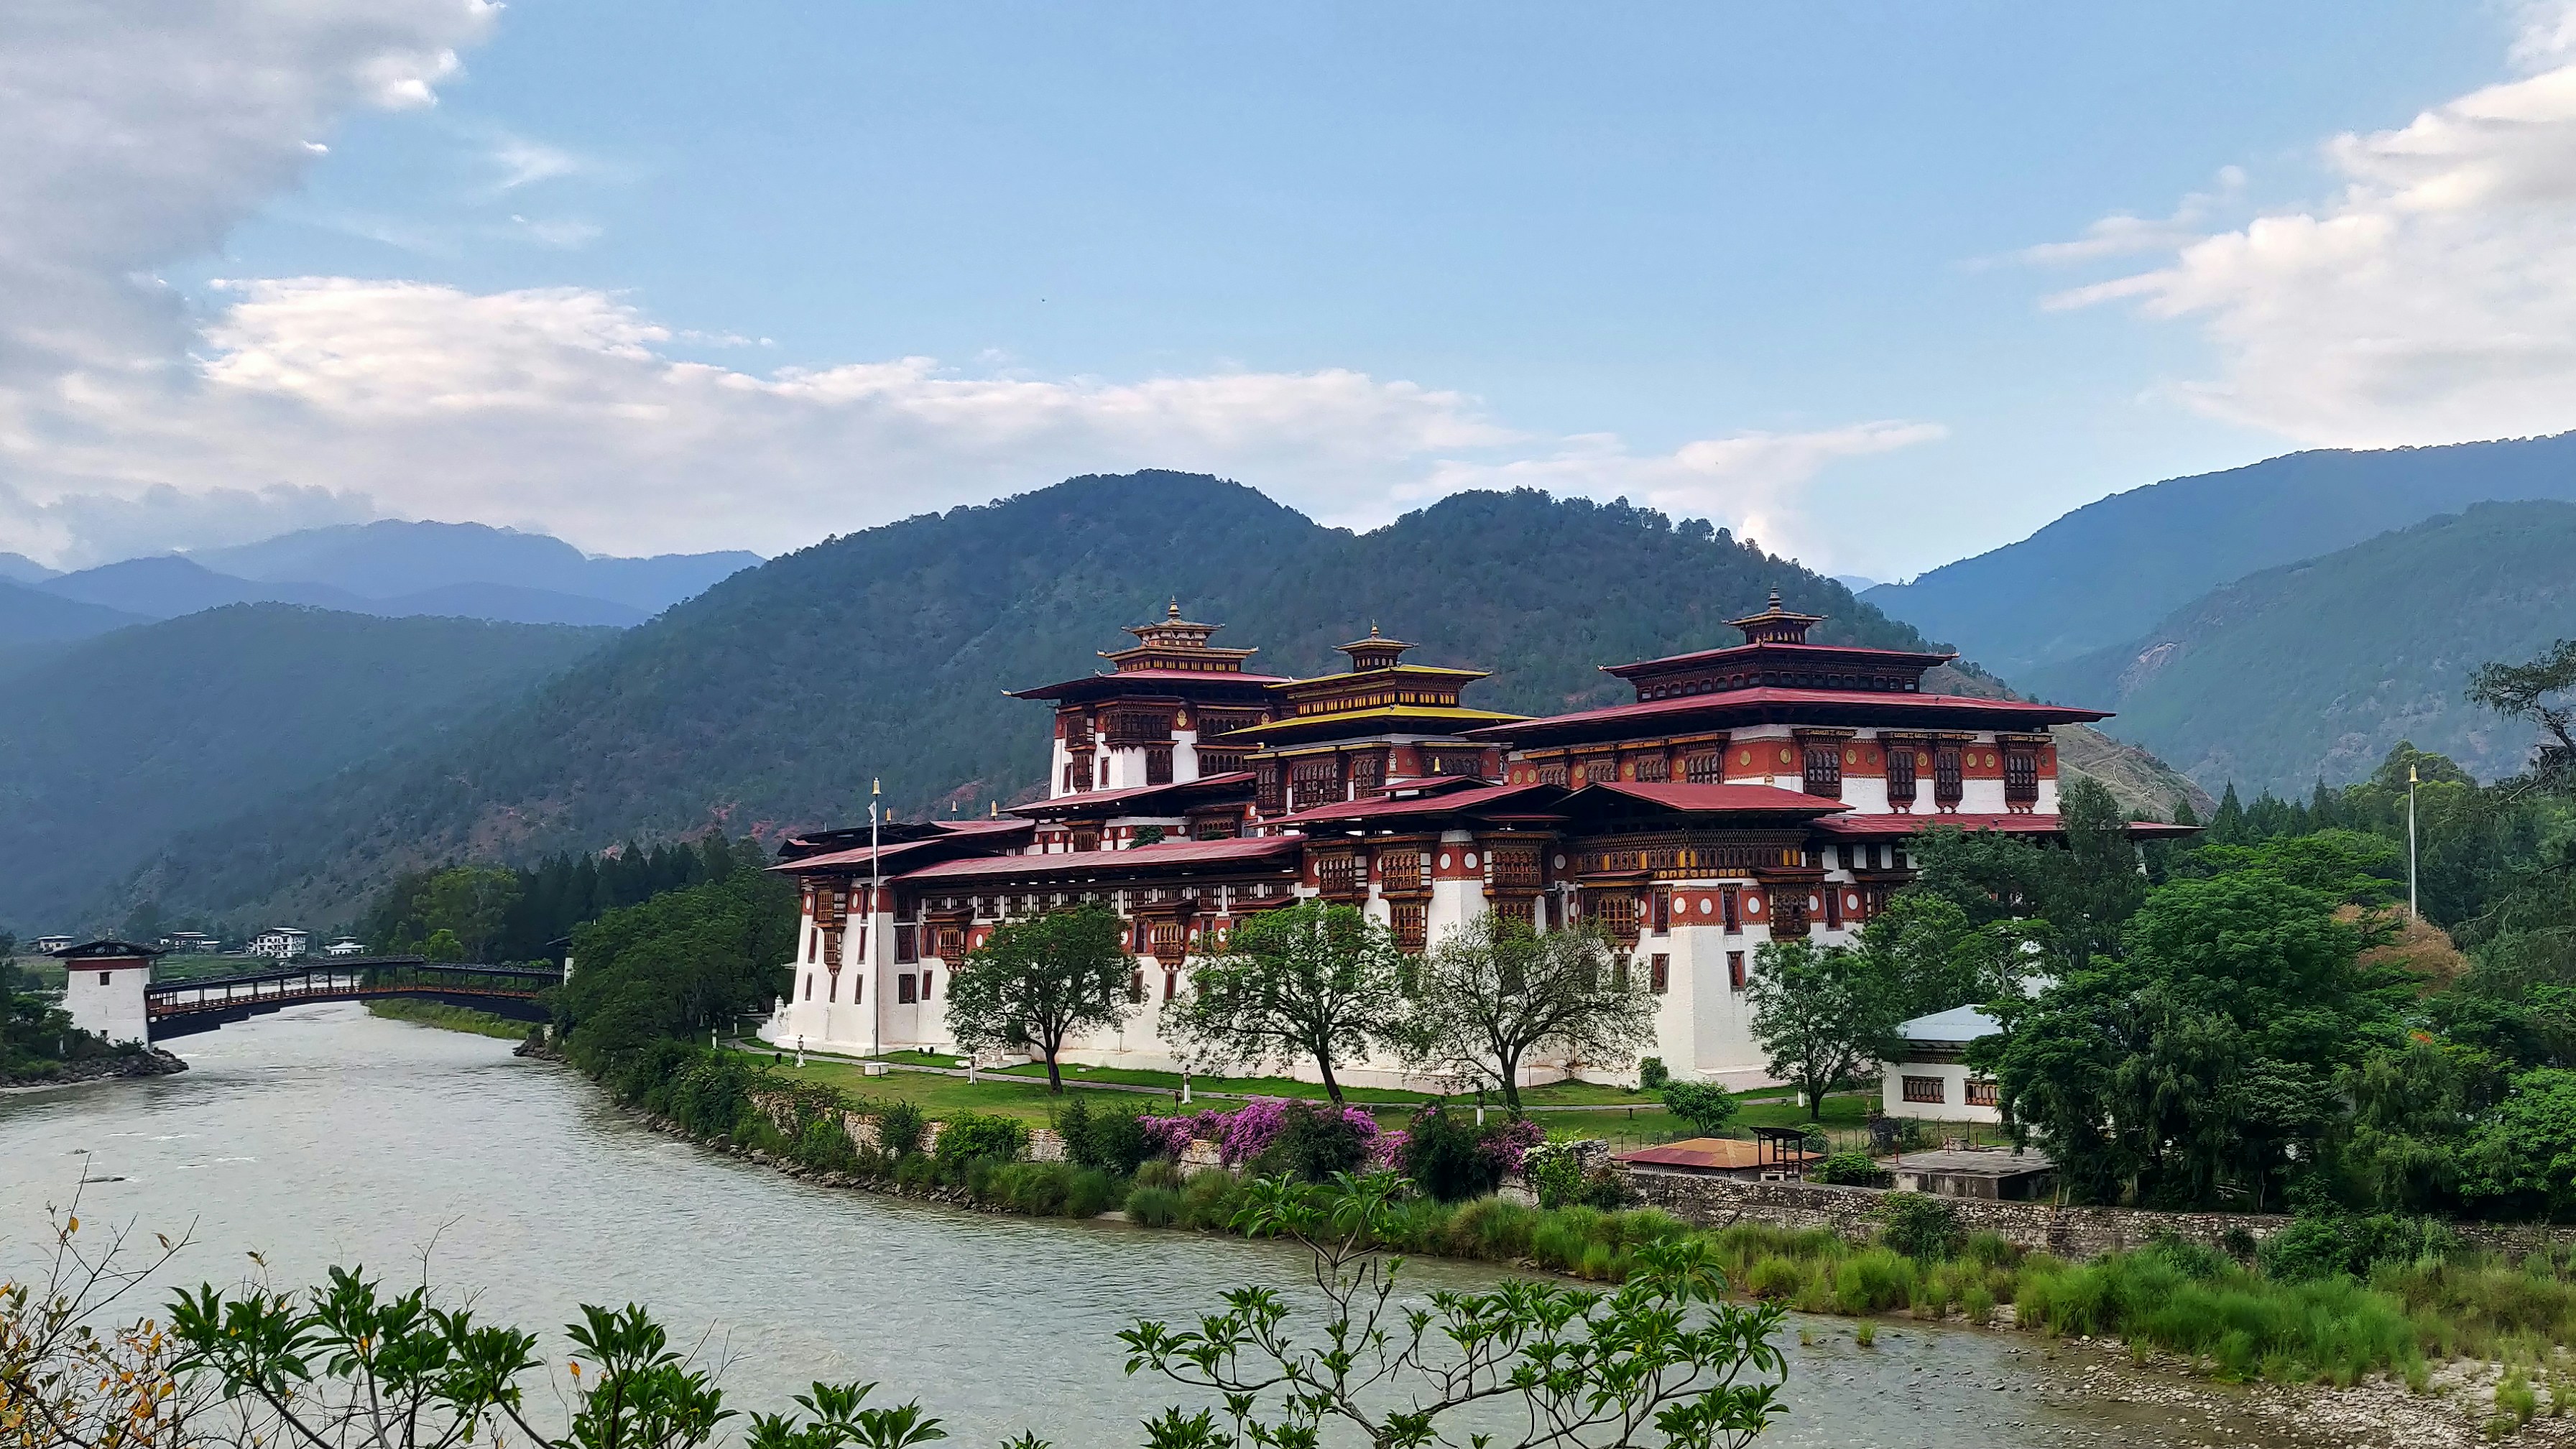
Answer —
1036 982
1312 982
1493 993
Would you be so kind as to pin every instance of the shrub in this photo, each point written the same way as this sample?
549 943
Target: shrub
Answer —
1775 1277
1918 1225
1089 1194
1652 1073
1606 1189
971 1135
1208 1201
825 1145
1555 1174
1490 1228
1314 1141
916 1172
1113 1139
900 1128
2320 1245
1874 1280
1851 1169
1161 1172
1706 1106
1153 1205
1452 1159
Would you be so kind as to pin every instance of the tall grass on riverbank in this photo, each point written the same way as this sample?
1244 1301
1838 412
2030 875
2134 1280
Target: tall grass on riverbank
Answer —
448 1018
2228 1318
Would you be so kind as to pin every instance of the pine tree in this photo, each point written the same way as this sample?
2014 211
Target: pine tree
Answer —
2228 826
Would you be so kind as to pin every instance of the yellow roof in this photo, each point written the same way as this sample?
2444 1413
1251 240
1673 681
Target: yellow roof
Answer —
1429 714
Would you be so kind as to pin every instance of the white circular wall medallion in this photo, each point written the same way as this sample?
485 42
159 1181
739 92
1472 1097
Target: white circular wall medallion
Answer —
1560 862
1470 861
1444 860
1752 905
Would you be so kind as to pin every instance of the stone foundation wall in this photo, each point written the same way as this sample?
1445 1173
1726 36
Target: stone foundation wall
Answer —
1851 1212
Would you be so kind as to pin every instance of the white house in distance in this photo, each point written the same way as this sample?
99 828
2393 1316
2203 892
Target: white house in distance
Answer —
1930 1078
283 942
48 945
345 946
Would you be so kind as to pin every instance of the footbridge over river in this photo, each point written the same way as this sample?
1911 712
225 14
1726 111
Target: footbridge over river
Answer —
109 989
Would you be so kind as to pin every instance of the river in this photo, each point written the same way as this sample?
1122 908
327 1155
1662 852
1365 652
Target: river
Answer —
320 1135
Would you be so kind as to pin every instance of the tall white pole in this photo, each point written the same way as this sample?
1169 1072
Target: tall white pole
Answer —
2411 911
876 903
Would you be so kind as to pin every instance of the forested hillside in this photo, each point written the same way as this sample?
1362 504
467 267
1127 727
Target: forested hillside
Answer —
775 698
2315 670
2107 572
110 746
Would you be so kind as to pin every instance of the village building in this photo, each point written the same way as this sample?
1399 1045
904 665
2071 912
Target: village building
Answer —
1928 1077
286 943
1762 791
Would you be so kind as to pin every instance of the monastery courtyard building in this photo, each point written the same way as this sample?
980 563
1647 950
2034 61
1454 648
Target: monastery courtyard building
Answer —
1763 791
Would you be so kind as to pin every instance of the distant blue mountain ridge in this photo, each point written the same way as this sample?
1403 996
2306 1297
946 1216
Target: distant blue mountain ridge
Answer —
390 569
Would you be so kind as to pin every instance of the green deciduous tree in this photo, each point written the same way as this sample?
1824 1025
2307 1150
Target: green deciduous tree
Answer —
1313 982
1035 983
1494 993
1822 1014
677 965
1706 1106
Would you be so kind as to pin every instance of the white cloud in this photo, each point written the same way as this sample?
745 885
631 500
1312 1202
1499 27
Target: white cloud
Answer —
2432 299
565 405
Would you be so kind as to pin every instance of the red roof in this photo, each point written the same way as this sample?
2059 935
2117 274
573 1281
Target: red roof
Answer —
1241 851
842 860
1444 802
1090 799
1840 651
1699 799
1771 704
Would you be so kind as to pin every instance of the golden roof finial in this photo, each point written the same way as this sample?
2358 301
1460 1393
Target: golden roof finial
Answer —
1175 611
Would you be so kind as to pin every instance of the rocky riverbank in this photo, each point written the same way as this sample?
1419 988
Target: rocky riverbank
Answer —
149 1062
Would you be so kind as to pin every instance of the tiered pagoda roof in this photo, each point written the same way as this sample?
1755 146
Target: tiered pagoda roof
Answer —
1378 695
1171 656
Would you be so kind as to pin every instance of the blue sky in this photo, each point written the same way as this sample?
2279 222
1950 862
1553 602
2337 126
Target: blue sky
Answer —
1355 255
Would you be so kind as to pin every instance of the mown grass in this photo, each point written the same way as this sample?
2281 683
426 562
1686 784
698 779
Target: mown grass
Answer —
448 1018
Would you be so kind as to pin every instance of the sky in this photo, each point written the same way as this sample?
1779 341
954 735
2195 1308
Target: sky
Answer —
1878 286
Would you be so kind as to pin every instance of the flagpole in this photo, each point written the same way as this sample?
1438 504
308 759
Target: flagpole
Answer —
876 904
2411 911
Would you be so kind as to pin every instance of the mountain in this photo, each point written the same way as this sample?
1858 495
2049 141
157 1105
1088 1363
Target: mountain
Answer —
774 699
17 568
32 616
167 585
2313 670
507 604
109 747
391 558
2109 570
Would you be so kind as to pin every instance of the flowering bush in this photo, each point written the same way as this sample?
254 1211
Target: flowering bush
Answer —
1249 1130
1511 1145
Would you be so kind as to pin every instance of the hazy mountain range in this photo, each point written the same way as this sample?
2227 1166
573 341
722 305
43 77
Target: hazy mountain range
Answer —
772 700
391 569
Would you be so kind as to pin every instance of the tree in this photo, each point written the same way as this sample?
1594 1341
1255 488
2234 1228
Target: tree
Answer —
1663 1359
1493 993
1706 1106
2525 692
1036 982
676 965
1822 1015
1312 982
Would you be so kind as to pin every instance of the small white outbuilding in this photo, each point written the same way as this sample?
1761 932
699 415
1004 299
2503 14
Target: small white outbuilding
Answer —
1930 1078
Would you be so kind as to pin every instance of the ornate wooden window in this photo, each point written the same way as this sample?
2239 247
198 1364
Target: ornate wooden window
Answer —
1158 764
952 943
1523 909
905 991
907 943
1515 868
1654 769
832 949
1926 1089
1552 774
1985 1094
1833 906
831 905
1661 908
1215 827
926 976
1735 971
1269 789
1368 774
1824 770
2021 777
1788 913
1170 941
1733 906
1315 782
1458 762
1946 781
1220 762
1139 726
1412 924
1901 760
1615 911
1341 875
1086 837
1399 872
1705 768
1214 722
1659 973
